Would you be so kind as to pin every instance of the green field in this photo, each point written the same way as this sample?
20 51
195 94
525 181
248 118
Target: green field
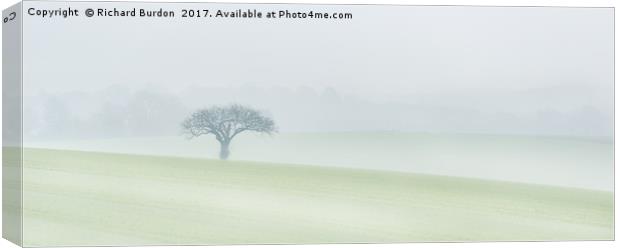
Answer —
560 161
92 198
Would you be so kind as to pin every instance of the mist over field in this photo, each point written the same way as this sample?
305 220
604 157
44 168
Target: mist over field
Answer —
113 199
403 124
568 162
117 111
456 78
329 128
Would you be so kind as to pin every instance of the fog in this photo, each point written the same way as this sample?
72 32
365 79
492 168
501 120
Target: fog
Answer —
534 71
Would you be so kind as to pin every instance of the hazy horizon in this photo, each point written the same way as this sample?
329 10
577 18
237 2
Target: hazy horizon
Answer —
539 71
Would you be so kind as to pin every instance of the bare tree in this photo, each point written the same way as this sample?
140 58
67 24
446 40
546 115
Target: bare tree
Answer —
226 122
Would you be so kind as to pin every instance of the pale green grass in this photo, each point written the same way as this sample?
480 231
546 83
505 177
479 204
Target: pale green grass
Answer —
89 198
561 161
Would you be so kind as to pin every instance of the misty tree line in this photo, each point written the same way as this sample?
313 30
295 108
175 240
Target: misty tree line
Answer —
141 113
117 111
120 112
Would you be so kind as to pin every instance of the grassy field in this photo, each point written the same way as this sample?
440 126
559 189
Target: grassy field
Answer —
91 198
561 161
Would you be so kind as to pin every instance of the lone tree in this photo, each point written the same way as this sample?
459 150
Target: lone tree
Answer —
226 122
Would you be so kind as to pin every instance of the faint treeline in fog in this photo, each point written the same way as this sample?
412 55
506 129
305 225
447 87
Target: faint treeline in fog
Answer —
118 111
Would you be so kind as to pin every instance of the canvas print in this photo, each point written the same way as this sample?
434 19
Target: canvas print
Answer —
320 124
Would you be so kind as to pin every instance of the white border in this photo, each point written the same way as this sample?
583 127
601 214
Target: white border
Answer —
567 3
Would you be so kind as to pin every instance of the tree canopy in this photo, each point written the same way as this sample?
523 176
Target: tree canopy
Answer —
226 122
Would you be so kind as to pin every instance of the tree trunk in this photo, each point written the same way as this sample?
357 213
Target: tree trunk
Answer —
224 150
